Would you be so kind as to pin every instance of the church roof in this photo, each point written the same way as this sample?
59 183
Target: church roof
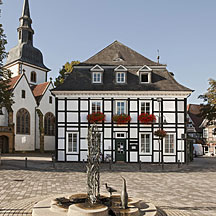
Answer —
13 81
116 54
25 51
39 90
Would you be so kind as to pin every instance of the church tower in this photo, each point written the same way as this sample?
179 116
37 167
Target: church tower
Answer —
25 58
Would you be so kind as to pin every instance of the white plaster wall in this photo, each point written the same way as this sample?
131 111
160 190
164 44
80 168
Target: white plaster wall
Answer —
4 117
41 75
45 107
14 69
24 142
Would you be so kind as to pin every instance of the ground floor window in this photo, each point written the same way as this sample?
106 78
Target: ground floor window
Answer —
72 142
169 144
145 143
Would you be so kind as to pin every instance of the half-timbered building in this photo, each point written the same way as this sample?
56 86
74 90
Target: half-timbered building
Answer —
120 81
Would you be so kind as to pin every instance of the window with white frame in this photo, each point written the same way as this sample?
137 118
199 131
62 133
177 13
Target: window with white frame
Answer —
120 77
120 107
169 144
145 107
96 77
95 106
145 143
72 142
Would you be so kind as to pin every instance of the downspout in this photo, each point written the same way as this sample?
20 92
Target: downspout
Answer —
35 128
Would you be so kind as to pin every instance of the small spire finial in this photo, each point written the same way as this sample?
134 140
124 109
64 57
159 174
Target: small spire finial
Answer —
26 11
158 57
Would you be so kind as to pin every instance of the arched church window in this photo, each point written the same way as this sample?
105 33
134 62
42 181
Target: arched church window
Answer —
33 76
23 122
49 124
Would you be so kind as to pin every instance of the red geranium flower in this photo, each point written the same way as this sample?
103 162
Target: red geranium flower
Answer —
96 117
121 119
147 118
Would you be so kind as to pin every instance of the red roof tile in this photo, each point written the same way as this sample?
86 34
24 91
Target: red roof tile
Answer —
38 90
13 81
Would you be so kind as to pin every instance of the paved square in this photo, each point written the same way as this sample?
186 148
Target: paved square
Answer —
189 190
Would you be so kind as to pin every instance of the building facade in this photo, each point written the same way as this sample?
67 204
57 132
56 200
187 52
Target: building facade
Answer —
118 81
31 124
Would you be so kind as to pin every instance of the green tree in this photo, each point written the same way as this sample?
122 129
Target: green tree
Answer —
208 108
63 72
6 99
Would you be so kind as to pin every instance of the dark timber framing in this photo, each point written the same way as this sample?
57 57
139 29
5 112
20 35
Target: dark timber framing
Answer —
109 129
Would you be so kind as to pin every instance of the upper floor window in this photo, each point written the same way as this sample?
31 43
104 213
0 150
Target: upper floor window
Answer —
95 106
145 107
50 99
120 77
23 122
169 144
49 124
72 142
97 77
33 76
23 94
120 107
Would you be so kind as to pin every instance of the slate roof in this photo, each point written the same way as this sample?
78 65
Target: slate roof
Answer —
194 113
39 90
116 54
81 77
25 52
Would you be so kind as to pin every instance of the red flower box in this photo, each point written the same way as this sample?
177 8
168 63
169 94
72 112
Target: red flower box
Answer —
160 133
147 118
97 117
121 119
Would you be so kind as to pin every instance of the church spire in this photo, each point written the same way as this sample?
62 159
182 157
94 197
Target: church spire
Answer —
25 31
26 11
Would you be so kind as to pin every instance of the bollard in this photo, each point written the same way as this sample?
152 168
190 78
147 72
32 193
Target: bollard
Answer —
26 160
140 165
53 160
178 163
110 165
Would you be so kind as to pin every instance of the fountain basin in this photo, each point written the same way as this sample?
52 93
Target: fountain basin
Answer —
136 207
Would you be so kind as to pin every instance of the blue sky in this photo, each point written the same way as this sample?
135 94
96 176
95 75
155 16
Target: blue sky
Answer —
183 30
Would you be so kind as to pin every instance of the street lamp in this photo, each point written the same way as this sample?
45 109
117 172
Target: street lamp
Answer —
159 100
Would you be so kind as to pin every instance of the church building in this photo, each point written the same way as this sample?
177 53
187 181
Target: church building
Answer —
31 124
130 97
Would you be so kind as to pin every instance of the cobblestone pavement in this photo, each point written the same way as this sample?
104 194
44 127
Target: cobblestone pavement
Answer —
188 190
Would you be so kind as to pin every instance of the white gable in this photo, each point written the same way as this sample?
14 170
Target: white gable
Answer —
120 68
145 68
97 68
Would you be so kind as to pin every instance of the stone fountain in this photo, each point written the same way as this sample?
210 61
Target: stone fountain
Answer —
93 203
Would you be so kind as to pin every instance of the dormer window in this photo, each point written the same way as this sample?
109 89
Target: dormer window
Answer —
97 72
120 77
96 77
121 73
33 77
145 74
144 77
